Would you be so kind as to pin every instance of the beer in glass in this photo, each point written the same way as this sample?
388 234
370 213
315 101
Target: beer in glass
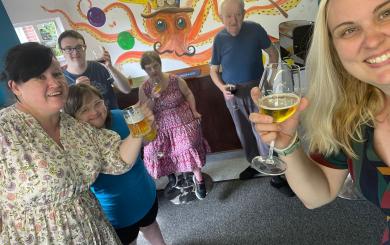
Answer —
139 126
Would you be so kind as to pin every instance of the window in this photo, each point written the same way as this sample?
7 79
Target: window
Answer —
45 32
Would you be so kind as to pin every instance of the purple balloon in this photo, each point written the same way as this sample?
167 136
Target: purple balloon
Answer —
96 17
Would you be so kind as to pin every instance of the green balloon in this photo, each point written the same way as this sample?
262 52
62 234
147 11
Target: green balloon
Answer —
125 40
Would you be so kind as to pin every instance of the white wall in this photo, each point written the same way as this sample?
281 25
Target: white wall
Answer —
24 12
21 11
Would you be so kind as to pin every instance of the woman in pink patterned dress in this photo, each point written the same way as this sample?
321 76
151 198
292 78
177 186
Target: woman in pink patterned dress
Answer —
179 146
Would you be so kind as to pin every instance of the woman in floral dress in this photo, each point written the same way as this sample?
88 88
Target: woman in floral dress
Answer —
179 146
48 160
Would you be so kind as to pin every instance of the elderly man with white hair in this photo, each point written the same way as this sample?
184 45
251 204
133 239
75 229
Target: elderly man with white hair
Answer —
237 49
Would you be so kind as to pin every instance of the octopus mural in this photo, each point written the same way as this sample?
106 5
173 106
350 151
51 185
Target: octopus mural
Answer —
169 28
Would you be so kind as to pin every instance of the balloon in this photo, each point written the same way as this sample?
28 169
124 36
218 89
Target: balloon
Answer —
125 40
96 17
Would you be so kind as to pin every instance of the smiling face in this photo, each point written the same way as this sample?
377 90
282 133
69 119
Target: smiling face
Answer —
93 111
74 51
232 14
360 32
44 94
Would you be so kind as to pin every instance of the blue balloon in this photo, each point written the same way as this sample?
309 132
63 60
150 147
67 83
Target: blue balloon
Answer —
96 17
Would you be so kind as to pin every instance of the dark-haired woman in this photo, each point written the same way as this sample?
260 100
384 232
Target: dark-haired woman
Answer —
128 200
179 136
49 159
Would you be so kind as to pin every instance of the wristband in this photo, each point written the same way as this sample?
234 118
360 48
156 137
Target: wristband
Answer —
290 148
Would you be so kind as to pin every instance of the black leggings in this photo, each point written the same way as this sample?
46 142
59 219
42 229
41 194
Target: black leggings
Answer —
129 233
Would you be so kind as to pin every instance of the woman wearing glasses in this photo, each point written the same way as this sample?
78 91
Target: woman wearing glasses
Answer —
79 70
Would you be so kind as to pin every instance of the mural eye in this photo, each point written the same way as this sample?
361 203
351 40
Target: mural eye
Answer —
161 25
180 23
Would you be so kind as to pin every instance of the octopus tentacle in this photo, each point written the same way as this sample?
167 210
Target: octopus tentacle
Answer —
199 59
105 37
199 21
135 31
217 16
84 27
270 9
129 57
84 16
206 37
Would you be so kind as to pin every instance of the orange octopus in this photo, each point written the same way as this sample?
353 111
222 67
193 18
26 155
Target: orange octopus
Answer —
173 35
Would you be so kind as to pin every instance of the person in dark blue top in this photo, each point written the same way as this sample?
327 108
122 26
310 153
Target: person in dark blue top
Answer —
103 75
237 51
129 200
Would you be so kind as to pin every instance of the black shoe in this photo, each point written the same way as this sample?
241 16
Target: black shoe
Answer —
282 186
172 181
248 173
170 190
200 188
185 181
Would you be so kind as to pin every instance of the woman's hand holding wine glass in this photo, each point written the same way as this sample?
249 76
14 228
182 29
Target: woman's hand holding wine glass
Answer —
156 89
279 100
282 133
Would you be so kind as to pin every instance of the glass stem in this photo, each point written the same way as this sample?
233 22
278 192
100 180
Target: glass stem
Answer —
271 150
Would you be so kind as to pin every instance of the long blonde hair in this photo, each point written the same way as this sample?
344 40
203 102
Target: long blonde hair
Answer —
339 104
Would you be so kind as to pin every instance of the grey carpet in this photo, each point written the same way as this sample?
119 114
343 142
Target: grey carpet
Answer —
252 212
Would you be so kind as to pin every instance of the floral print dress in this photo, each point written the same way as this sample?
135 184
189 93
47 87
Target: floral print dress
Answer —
44 188
180 145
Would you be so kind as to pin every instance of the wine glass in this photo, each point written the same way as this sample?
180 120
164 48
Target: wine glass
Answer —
99 58
232 88
98 55
155 94
156 90
280 88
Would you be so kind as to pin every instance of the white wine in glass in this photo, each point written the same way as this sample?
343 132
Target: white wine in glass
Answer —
280 97
279 106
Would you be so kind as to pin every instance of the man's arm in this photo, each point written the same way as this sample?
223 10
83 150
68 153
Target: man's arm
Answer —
272 53
217 80
120 81
216 77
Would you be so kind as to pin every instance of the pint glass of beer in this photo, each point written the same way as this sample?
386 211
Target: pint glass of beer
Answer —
139 126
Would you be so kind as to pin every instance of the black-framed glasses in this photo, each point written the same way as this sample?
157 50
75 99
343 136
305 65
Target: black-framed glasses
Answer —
78 48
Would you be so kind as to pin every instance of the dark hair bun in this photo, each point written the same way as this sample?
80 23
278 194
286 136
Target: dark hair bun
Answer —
25 61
